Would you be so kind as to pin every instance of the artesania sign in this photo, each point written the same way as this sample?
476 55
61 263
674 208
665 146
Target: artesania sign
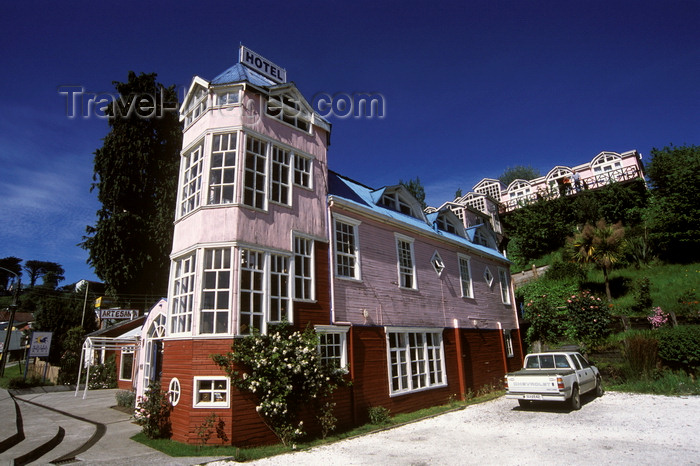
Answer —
262 65
118 313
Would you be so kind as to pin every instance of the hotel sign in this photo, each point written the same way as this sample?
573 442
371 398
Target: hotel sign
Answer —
262 65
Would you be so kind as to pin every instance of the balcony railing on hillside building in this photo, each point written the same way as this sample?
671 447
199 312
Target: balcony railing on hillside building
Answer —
557 189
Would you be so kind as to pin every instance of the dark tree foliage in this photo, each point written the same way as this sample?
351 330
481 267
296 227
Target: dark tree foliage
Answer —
540 228
12 264
518 172
136 180
415 187
50 272
674 210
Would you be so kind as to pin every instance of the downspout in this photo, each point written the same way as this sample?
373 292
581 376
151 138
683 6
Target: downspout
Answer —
460 360
331 261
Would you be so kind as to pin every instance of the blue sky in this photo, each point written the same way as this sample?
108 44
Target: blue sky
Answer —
470 88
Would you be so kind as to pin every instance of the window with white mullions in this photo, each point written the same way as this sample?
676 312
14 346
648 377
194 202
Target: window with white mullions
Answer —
505 285
191 187
211 392
251 291
183 294
279 289
216 291
302 171
404 248
303 269
279 176
465 277
222 168
346 251
255 173
416 361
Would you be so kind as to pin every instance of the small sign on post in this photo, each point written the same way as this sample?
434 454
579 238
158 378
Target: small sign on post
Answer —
41 344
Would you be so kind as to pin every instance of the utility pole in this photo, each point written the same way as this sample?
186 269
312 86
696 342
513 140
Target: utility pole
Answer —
10 323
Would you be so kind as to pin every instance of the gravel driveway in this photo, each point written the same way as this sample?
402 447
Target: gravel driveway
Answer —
618 428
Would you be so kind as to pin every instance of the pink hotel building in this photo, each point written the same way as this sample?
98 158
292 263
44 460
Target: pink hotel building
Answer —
417 306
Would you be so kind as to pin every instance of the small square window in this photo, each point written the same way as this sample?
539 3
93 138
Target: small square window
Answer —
211 392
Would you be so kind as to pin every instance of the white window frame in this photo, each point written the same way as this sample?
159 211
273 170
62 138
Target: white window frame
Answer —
174 391
213 391
126 350
342 345
227 172
255 189
263 297
405 261
303 171
354 256
437 263
504 280
465 264
183 294
192 164
281 161
287 109
219 263
508 342
228 97
304 268
414 374
279 302
197 106
488 276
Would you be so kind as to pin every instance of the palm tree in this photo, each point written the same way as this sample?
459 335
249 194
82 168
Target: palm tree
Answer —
601 245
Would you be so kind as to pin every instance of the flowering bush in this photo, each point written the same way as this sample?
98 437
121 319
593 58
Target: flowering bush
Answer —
283 370
658 318
152 412
588 319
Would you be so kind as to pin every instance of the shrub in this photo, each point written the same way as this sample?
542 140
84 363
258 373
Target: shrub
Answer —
103 375
125 398
560 270
641 354
17 383
658 318
642 296
378 415
680 346
588 319
283 370
152 412
542 304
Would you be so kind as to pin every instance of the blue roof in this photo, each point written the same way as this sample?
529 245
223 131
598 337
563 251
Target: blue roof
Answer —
239 73
356 193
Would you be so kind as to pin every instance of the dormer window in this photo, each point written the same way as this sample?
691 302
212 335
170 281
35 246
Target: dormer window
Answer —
395 201
447 224
197 106
227 98
286 108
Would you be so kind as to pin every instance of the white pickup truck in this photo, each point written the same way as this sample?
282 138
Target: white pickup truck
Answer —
555 376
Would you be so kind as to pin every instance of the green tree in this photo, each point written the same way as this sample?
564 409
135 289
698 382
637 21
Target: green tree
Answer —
135 176
50 272
415 187
518 172
12 264
674 211
601 245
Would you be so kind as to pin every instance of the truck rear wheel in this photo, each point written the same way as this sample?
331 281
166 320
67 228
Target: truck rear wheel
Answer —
575 400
